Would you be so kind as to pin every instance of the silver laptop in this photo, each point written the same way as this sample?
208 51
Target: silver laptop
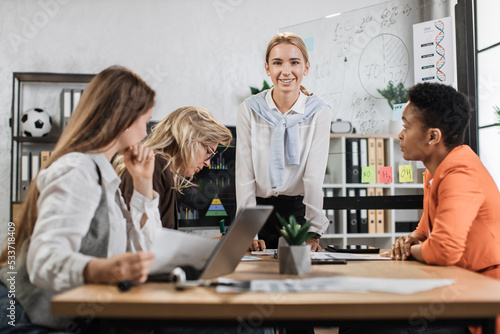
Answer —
223 258
229 251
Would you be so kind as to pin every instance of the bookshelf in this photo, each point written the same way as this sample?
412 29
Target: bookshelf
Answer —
395 223
42 91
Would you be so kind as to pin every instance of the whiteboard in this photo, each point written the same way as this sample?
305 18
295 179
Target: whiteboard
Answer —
355 53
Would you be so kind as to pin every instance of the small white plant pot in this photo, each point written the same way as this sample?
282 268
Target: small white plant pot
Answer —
396 125
295 260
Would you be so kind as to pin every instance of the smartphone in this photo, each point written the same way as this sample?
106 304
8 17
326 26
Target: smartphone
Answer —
360 249
328 261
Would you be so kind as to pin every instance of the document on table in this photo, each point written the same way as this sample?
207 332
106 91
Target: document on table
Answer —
250 258
173 249
269 251
349 284
348 256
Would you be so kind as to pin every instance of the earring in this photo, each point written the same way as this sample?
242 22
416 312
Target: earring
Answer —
430 143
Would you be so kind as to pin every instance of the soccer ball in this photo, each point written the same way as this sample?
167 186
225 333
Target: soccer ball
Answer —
35 122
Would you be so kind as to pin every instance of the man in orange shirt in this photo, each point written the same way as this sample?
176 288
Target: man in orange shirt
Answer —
460 224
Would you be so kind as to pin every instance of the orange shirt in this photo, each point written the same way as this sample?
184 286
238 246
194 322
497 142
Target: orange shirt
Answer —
461 214
461 217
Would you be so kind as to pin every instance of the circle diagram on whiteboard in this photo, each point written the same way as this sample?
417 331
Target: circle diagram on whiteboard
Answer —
385 58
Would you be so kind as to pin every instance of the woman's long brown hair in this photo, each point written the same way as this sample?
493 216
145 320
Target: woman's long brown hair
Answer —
112 101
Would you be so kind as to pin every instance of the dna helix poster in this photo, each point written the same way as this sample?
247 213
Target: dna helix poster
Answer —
434 52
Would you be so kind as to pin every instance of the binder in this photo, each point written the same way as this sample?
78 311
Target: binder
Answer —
379 214
330 213
352 215
44 158
362 214
35 165
77 93
65 106
371 213
363 153
25 174
353 170
372 158
380 157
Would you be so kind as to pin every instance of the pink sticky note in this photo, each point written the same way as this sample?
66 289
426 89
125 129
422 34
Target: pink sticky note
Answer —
385 174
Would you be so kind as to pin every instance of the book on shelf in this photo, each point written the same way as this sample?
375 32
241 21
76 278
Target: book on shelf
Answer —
372 158
69 102
372 224
380 214
75 98
329 213
30 165
25 175
44 158
380 157
66 106
363 153
353 170
362 214
35 165
352 214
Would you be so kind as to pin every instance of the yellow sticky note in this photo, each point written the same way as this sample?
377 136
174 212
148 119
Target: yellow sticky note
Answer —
405 173
368 174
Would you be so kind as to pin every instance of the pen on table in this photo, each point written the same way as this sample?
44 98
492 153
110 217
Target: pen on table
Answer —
125 285
222 227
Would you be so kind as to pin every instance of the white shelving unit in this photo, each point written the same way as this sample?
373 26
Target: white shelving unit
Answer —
336 185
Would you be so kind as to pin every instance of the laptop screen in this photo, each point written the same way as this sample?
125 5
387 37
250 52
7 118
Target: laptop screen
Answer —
228 253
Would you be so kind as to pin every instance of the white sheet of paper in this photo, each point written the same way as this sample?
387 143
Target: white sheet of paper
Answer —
349 284
230 289
174 248
348 256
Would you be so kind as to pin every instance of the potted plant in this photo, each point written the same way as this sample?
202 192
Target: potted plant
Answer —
294 254
396 97
394 94
257 91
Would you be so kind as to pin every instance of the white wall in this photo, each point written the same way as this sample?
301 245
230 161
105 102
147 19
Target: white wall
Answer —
193 52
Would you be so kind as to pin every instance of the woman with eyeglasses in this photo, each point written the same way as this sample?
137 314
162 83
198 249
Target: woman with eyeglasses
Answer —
183 143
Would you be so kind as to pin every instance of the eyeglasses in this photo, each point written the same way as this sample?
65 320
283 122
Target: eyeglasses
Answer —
210 153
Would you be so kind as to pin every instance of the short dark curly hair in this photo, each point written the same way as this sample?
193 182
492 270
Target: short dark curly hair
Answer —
441 106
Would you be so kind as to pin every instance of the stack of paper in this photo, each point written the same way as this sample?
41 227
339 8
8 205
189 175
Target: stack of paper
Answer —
349 284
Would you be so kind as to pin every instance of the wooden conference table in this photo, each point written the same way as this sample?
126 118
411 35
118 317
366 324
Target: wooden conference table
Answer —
473 297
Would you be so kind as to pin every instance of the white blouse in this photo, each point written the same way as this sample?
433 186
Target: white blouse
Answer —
253 143
69 195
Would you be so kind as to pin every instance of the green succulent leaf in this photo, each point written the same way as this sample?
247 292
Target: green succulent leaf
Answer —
293 232
255 90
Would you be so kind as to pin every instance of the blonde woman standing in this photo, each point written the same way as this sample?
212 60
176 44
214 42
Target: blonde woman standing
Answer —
282 147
